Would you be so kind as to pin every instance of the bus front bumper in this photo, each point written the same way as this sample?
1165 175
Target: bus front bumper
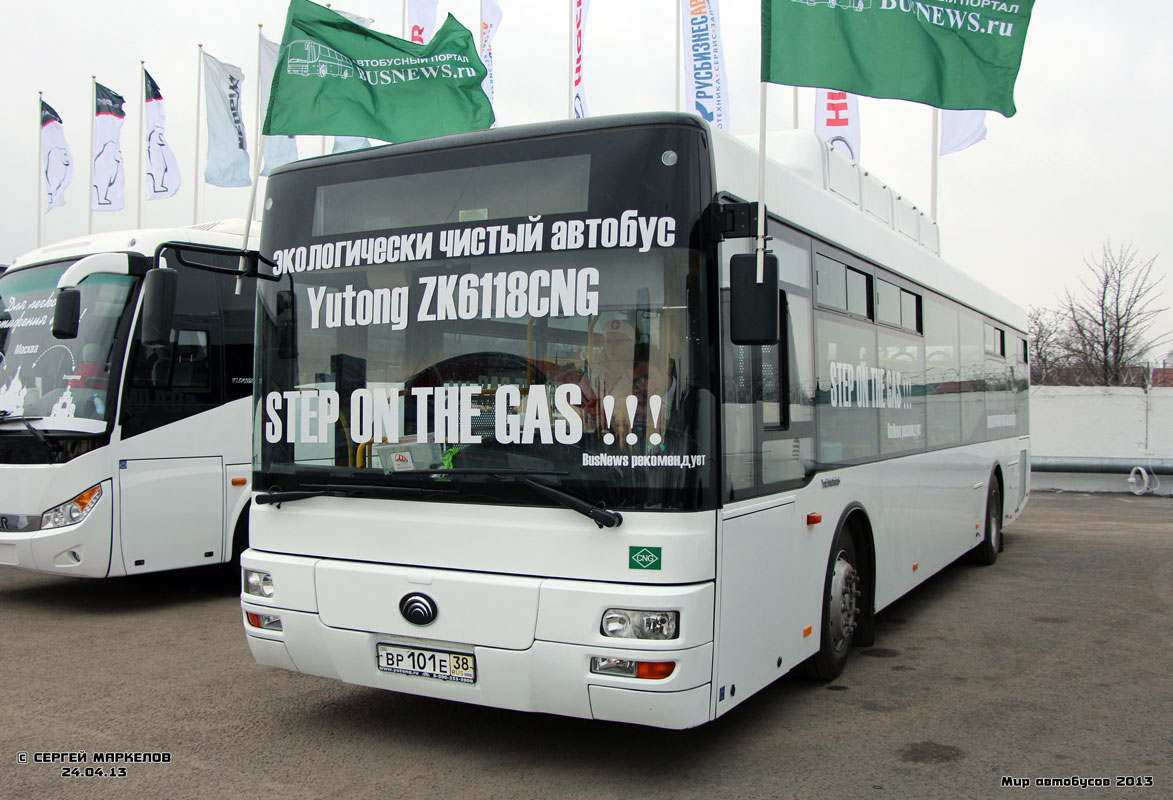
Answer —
549 670
548 677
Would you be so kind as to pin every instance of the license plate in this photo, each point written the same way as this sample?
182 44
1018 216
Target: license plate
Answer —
439 664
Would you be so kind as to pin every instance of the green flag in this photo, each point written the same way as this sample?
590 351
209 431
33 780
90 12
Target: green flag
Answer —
960 54
336 77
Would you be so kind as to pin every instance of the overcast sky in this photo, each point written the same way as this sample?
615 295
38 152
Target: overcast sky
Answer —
1081 161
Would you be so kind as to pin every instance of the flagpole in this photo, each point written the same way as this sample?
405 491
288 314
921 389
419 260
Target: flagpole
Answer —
195 203
252 200
570 76
89 192
679 66
142 145
761 248
936 160
257 125
40 156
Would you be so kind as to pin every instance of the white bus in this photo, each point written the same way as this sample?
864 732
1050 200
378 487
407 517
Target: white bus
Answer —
507 453
118 456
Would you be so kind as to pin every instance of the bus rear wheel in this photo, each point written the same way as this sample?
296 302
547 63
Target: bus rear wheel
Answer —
841 593
986 553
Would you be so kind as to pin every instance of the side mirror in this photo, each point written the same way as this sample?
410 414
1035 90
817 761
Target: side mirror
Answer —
67 313
159 287
753 306
286 325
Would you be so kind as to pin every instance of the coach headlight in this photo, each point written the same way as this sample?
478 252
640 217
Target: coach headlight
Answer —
72 511
623 623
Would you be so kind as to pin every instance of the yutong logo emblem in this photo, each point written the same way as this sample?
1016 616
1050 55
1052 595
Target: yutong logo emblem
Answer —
418 609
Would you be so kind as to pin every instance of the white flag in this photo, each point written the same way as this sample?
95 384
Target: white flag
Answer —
579 11
357 19
960 129
490 22
56 162
421 20
278 149
227 146
162 168
109 187
837 121
344 144
704 61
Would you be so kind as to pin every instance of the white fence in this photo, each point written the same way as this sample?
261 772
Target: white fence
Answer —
1100 422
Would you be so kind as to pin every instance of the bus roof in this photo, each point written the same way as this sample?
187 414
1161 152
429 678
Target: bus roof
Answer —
223 233
815 188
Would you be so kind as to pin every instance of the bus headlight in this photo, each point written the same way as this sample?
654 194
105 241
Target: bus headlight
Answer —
258 583
623 623
72 511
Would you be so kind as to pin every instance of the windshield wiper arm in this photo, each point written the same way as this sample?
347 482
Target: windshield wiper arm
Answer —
54 448
602 516
276 497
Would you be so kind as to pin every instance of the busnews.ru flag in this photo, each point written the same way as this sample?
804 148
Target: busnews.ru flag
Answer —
56 162
335 77
958 55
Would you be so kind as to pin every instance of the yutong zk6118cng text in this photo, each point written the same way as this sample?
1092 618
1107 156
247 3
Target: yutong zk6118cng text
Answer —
510 448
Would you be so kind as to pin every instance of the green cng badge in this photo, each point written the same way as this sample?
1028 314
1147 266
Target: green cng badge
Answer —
644 558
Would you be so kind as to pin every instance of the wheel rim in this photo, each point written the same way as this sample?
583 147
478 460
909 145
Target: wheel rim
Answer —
994 524
842 609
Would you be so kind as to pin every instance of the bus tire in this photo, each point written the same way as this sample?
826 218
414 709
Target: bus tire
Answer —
986 553
841 593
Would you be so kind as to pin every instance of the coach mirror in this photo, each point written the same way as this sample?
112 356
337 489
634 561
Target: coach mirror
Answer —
753 306
159 287
67 313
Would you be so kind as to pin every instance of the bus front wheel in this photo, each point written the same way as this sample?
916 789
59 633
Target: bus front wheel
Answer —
841 594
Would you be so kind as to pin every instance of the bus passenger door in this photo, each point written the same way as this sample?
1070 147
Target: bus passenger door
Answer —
174 429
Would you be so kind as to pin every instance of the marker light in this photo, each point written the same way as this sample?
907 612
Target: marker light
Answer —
623 623
72 511
266 622
627 668
258 583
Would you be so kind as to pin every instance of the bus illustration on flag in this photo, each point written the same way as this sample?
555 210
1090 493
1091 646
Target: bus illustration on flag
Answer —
856 5
311 58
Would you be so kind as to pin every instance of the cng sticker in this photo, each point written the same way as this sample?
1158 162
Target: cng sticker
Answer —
643 557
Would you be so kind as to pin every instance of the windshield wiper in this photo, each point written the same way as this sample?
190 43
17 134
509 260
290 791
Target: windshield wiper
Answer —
276 496
602 516
54 447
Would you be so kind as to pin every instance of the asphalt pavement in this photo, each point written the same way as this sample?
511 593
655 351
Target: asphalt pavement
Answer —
1054 664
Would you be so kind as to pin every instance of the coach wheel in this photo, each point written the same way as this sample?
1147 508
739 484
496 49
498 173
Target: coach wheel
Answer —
841 594
986 553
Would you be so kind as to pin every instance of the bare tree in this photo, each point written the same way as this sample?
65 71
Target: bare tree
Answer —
1109 321
1047 333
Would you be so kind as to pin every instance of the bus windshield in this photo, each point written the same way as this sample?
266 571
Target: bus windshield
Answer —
58 384
526 308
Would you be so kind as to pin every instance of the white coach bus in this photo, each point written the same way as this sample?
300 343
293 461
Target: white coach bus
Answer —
119 456
507 452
